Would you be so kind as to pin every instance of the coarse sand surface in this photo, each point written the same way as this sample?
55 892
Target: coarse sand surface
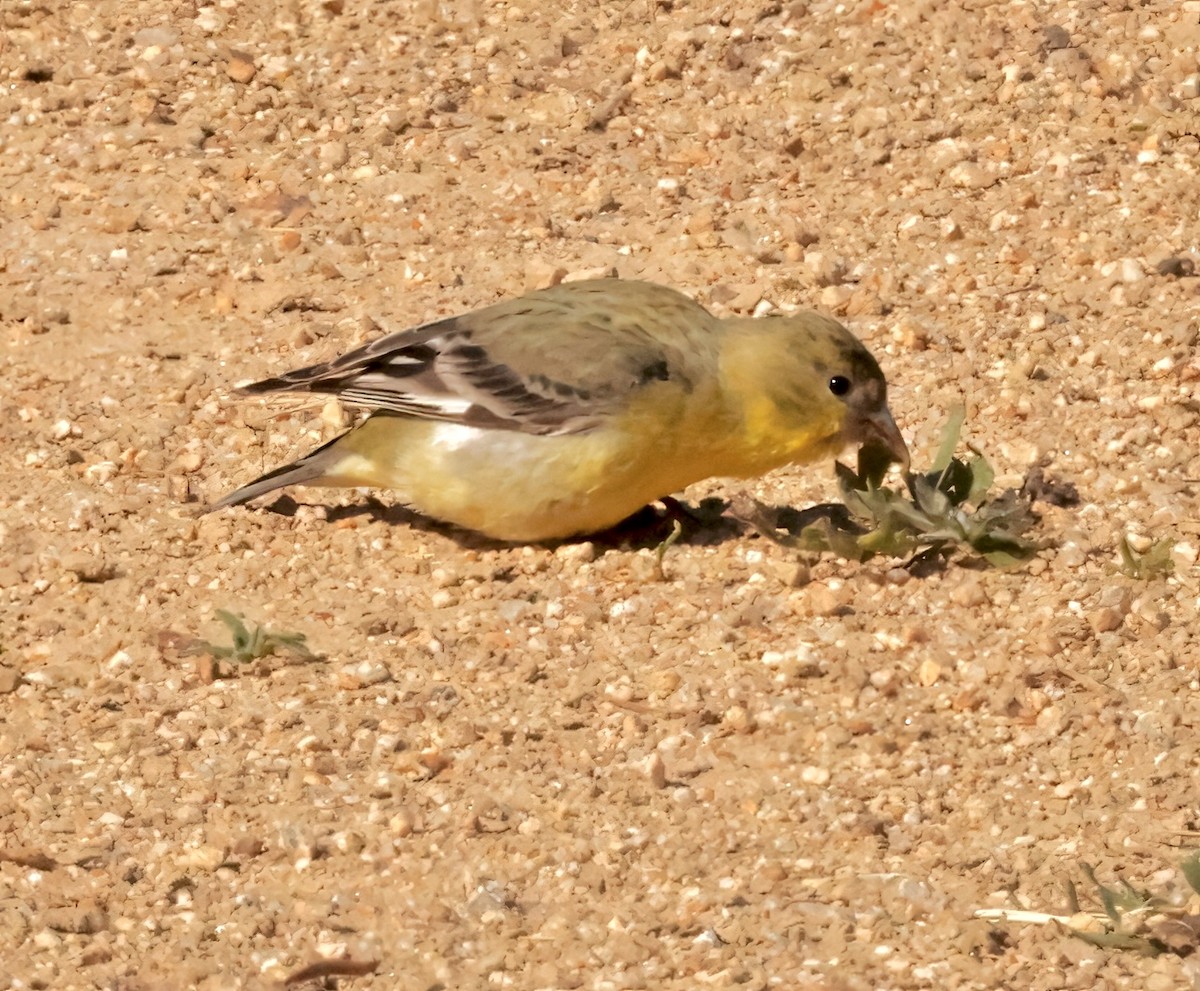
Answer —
550 767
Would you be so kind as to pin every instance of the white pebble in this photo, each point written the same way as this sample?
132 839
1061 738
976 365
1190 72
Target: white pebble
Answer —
1127 269
102 472
209 21
368 672
1184 555
1189 89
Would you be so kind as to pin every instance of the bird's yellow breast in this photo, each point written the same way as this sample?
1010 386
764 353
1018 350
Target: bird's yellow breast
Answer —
771 438
526 487
518 486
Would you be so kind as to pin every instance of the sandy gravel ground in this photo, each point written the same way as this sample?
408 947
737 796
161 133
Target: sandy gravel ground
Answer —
544 768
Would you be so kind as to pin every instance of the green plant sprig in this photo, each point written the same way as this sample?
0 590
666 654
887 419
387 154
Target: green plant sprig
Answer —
1154 562
251 644
1130 919
945 509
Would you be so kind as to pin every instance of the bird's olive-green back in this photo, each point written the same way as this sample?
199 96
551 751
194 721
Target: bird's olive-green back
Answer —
601 338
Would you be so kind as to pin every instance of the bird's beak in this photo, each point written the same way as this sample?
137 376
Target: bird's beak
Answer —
881 427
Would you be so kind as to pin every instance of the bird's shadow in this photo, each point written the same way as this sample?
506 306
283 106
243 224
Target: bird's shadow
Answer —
793 521
705 524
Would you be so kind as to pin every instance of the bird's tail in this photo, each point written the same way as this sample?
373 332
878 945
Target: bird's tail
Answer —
314 467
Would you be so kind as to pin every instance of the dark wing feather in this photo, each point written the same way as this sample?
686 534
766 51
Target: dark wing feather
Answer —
490 368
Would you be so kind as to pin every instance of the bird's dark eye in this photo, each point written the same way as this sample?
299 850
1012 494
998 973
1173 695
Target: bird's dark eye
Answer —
839 385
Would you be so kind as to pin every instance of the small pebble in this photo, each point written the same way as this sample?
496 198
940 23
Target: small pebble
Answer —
240 67
364 673
928 673
656 771
1176 266
1054 37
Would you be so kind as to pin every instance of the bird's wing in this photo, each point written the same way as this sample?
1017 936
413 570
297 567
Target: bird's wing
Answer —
557 361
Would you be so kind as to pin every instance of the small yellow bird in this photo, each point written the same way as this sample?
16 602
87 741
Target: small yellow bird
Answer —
567 410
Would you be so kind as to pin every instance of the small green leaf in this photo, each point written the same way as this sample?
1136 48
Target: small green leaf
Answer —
1106 898
237 629
885 541
1073 898
950 435
1004 560
929 495
1121 941
1129 563
1156 562
982 477
1129 898
1190 868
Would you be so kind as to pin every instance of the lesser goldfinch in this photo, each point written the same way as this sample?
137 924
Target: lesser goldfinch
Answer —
567 410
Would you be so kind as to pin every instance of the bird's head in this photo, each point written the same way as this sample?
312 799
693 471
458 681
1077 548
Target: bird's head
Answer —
809 385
